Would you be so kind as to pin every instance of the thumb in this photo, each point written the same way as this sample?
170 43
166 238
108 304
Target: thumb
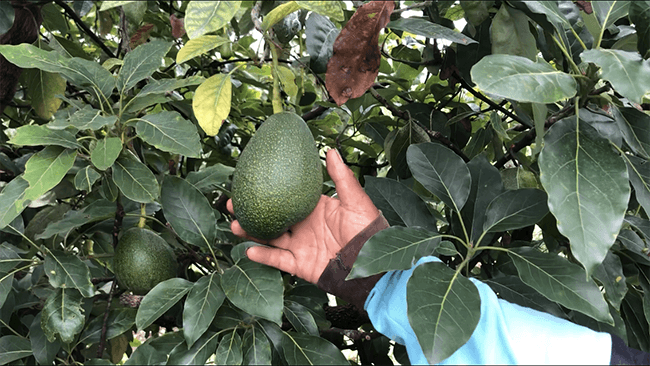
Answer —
348 188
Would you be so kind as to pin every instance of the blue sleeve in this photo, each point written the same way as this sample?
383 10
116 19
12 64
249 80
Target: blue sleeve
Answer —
506 333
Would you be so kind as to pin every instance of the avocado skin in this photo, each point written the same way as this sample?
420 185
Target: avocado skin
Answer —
142 260
278 179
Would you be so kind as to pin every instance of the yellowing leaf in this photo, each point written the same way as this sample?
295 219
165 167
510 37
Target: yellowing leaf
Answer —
198 46
211 103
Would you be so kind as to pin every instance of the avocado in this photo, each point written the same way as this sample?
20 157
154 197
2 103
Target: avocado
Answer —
142 260
278 179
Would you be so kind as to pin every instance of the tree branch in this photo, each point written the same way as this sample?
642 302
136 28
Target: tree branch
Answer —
102 338
83 26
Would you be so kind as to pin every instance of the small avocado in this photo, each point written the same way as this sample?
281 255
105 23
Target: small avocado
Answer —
278 179
142 260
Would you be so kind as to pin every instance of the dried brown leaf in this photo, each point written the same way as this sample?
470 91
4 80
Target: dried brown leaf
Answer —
355 61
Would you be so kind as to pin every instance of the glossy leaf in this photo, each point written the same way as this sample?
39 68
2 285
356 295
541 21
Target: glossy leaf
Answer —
170 132
68 271
203 17
106 152
639 171
140 63
610 275
395 248
303 349
34 135
167 85
85 178
512 289
486 185
201 305
399 205
119 321
13 348
44 350
587 186
321 34
6 284
426 28
300 318
46 169
43 88
257 348
278 13
254 288
634 127
515 209
639 12
627 71
229 351
520 79
510 34
62 315
134 179
443 309
198 354
560 281
96 211
145 354
211 103
210 178
12 200
188 211
327 8
608 12
441 172
160 299
198 46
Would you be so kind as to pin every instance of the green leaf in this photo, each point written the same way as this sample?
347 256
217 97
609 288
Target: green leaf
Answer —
520 79
42 88
170 132
167 85
9 257
609 12
560 281
515 209
198 46
68 271
587 186
321 34
395 248
640 15
639 171
229 351
610 274
278 13
211 178
44 350
34 135
441 172
46 169
114 4
146 354
140 63
257 348
86 118
106 152
119 321
201 305
443 309
514 290
634 126
211 102
425 28
12 200
203 17
14 348
510 34
486 185
6 284
96 211
188 211
85 178
254 288
330 9
304 349
300 317
627 71
134 179
198 354
399 205
160 299
62 315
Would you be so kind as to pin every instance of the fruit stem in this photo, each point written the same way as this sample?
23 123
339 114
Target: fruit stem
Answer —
277 101
143 213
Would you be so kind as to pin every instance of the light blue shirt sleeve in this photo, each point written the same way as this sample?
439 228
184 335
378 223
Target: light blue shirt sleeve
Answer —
506 333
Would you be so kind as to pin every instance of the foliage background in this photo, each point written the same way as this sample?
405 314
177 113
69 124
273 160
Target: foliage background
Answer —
515 150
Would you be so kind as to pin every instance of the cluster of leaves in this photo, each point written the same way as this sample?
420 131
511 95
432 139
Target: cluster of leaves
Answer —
516 151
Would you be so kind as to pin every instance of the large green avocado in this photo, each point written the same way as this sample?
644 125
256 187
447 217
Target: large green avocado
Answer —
142 260
278 179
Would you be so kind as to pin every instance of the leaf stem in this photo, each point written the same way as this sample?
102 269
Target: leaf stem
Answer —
575 67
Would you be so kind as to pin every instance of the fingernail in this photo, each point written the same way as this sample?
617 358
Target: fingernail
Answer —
338 155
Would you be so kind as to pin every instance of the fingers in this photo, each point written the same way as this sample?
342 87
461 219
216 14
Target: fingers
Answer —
229 206
237 230
274 257
347 187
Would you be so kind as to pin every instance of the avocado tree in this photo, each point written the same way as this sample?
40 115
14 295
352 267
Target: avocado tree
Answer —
508 138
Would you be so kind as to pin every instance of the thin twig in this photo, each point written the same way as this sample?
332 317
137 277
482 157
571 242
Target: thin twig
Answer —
102 339
83 26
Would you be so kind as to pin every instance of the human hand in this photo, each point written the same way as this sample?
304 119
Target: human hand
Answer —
306 249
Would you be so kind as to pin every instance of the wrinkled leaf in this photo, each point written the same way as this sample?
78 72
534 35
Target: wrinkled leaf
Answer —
587 186
160 299
68 271
203 301
62 315
170 132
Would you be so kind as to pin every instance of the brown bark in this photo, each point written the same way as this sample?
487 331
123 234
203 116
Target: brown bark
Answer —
27 21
